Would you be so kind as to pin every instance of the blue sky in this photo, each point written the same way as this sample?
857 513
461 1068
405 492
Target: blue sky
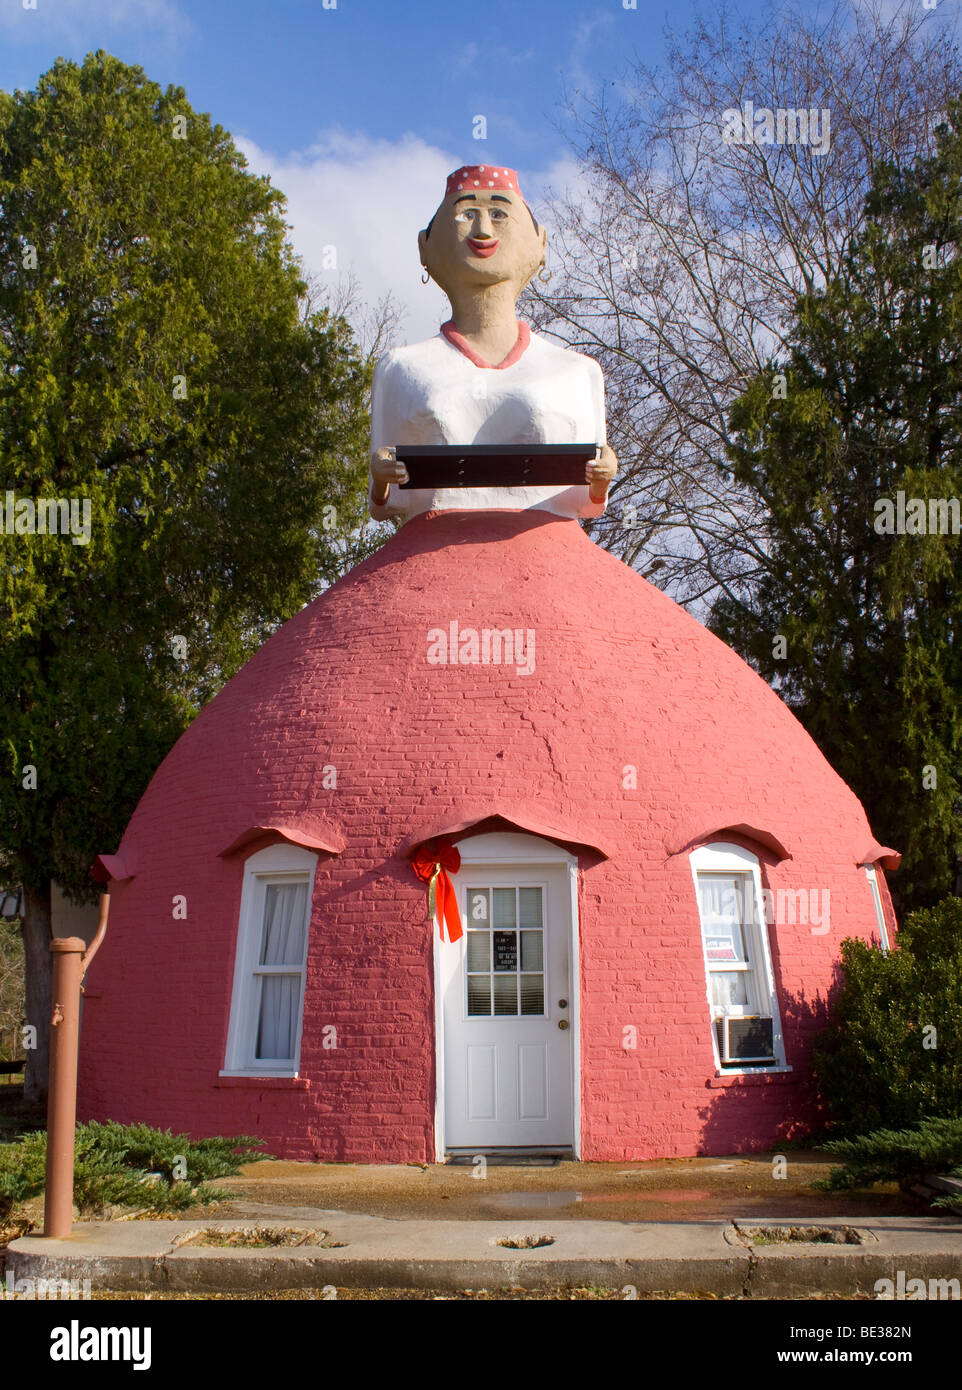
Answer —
278 72
367 105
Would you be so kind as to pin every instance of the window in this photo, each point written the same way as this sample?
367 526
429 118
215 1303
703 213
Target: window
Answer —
872 876
267 1005
741 987
505 951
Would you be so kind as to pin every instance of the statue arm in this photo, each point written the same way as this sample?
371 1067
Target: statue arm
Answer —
600 473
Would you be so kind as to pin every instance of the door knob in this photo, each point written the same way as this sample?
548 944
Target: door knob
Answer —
562 1023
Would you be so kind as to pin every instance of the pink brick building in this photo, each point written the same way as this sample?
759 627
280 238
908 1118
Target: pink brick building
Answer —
657 867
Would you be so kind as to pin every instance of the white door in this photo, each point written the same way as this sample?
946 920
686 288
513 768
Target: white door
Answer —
507 1052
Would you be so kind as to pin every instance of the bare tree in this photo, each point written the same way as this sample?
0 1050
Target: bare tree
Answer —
376 327
705 219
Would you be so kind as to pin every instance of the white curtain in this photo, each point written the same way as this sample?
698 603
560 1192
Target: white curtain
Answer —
285 916
285 922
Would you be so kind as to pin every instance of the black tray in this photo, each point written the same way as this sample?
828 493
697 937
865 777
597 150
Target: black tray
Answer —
495 465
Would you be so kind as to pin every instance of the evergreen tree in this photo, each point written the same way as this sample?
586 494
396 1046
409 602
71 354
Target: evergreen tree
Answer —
869 405
156 365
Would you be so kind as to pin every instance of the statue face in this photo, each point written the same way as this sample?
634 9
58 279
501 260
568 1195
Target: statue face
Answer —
482 238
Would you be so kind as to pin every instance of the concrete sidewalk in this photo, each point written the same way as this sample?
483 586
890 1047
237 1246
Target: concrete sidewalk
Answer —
649 1191
730 1258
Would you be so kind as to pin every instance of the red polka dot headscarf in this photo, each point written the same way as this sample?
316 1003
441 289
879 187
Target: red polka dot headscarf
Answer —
478 176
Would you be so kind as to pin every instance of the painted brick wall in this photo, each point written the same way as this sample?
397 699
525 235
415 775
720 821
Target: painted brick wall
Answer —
623 678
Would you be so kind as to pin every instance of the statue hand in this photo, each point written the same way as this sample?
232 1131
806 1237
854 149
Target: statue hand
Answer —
386 470
600 472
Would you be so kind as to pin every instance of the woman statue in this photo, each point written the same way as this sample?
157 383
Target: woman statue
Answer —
485 378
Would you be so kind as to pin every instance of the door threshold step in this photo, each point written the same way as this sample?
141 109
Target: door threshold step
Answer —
503 1158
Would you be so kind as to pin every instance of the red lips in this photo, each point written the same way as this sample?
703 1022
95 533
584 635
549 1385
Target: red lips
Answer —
483 248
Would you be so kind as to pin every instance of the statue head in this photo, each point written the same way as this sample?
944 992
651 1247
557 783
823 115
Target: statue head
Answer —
483 233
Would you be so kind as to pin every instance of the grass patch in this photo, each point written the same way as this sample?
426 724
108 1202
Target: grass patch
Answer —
801 1235
525 1242
261 1237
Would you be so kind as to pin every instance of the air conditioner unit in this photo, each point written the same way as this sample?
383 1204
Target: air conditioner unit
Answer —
745 1039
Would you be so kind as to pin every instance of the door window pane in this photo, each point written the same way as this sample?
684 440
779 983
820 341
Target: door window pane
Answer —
479 905
505 994
479 950
529 907
504 907
479 994
532 994
505 950
532 955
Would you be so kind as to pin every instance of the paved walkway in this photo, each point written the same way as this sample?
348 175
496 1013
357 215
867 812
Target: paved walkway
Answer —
674 1190
731 1258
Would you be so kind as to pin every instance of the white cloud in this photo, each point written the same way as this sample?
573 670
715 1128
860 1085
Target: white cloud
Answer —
581 70
464 59
368 199
77 20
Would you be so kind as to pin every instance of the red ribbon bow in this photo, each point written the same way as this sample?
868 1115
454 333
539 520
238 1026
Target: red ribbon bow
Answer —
432 862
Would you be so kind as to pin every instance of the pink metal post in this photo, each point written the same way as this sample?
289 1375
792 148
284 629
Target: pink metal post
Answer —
71 957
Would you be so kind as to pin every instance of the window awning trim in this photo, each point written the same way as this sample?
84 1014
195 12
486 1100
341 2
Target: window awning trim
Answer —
880 854
323 839
477 820
113 868
685 843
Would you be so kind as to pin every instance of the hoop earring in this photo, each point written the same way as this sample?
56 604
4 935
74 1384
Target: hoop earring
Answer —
544 275
425 277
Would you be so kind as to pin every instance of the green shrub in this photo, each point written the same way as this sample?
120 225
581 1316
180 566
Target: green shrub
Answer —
112 1164
878 1064
159 1151
22 1170
904 1156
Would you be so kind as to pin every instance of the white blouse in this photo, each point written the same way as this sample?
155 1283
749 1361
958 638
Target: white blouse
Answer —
432 393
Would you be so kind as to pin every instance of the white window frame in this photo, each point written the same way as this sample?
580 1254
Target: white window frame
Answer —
723 858
872 876
284 863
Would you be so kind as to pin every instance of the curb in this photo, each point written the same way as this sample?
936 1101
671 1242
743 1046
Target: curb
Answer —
712 1258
